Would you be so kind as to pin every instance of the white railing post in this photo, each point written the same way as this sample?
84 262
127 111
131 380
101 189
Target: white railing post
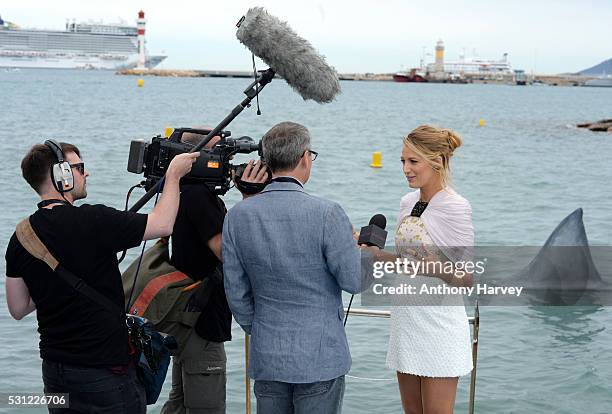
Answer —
247 380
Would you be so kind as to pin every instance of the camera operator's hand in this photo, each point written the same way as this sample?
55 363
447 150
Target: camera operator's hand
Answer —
255 172
181 165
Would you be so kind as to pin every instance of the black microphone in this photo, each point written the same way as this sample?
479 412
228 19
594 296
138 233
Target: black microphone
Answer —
289 55
374 234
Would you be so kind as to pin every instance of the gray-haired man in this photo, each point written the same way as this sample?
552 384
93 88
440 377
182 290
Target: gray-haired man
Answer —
287 257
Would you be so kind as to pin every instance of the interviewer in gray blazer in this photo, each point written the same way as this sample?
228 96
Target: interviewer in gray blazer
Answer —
287 257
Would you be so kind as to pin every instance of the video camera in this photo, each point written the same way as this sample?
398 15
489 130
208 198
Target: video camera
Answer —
212 168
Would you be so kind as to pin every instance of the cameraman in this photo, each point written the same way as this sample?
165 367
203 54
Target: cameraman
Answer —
198 372
83 346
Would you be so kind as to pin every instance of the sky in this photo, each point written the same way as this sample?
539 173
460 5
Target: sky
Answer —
358 36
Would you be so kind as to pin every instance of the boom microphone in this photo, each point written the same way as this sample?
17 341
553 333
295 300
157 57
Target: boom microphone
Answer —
292 57
374 234
288 55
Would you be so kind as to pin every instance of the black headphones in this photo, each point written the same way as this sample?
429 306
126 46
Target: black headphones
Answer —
61 172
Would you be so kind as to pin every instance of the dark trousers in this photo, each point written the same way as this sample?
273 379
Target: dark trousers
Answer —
94 389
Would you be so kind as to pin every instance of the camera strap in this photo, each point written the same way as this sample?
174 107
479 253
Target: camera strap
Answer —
46 203
288 180
32 243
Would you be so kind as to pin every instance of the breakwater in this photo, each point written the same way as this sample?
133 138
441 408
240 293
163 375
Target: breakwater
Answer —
550 80
180 73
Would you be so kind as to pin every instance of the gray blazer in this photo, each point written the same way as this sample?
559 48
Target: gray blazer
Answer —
287 256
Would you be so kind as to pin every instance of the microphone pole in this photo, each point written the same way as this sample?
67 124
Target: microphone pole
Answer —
251 92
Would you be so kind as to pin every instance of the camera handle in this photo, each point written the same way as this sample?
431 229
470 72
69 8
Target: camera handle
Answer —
251 92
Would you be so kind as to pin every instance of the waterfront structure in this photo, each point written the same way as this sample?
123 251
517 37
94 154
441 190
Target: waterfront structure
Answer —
81 45
141 40
467 67
438 66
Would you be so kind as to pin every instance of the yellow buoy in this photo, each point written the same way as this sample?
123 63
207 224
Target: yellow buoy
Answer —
168 131
140 82
481 122
376 159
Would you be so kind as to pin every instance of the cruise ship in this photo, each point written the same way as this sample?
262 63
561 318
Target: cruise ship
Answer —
81 45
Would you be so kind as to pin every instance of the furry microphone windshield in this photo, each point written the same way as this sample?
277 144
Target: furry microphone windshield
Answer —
292 57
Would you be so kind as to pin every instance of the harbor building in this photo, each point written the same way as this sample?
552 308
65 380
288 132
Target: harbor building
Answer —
472 67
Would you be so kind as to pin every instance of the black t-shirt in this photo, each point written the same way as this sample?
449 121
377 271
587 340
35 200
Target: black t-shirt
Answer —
74 329
200 217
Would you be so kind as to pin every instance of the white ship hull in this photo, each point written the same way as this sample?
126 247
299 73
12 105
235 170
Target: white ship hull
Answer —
75 62
86 46
600 82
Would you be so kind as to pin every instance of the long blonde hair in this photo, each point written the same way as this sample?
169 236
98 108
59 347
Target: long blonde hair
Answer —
433 144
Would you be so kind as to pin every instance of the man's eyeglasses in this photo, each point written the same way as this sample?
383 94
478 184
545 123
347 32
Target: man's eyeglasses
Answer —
80 166
313 154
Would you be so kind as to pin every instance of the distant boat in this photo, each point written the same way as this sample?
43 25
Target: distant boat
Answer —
519 77
411 76
601 82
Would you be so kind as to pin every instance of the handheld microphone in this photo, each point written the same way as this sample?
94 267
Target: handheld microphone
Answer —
289 55
374 234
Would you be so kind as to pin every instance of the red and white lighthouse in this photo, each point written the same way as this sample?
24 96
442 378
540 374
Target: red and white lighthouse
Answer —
140 23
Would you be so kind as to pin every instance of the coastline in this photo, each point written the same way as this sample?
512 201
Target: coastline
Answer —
543 79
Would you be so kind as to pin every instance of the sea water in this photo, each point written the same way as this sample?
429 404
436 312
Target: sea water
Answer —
523 172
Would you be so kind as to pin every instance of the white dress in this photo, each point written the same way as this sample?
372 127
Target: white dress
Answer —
431 341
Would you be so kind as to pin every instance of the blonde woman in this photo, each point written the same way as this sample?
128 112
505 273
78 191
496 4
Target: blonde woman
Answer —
429 344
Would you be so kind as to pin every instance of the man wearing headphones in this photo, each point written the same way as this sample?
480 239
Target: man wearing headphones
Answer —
83 346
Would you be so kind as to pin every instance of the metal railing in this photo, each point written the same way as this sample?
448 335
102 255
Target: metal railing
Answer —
373 313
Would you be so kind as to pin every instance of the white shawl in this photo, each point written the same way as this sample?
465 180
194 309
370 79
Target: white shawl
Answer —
447 219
